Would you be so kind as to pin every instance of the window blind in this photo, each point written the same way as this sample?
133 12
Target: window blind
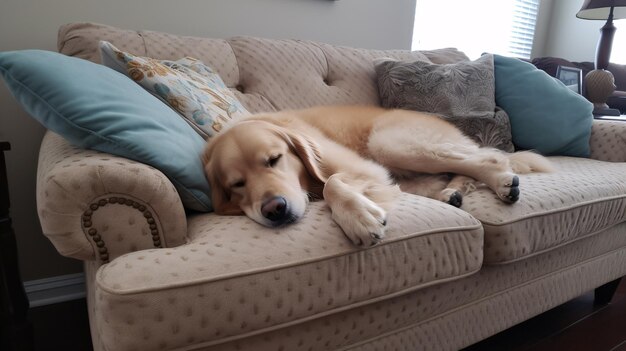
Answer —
523 27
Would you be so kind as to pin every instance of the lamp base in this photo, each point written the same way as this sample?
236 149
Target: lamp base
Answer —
600 84
605 111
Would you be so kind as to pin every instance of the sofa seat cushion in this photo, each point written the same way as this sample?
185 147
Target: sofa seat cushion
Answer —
580 199
254 279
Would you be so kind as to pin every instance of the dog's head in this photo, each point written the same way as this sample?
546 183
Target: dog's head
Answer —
263 170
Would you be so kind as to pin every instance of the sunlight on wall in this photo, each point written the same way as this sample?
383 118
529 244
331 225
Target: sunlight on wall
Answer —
473 27
618 51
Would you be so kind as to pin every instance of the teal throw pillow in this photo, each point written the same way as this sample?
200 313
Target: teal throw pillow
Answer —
95 107
545 115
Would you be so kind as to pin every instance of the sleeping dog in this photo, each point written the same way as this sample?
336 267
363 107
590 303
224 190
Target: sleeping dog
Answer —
268 166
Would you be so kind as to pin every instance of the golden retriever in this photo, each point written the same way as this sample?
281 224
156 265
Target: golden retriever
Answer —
269 165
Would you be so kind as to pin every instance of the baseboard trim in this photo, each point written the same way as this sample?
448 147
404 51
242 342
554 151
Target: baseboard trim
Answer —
57 289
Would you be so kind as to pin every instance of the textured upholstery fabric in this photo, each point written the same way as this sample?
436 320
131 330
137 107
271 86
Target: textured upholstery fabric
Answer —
473 322
608 141
237 286
581 198
81 40
267 74
463 89
254 278
461 93
71 179
446 316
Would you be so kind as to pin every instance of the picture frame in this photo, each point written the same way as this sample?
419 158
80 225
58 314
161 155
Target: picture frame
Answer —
572 77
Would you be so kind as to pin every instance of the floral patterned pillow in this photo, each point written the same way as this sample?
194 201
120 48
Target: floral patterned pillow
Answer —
188 86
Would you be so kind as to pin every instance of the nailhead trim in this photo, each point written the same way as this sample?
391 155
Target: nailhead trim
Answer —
93 232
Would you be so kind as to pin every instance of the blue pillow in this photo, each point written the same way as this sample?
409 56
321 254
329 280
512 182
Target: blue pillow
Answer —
96 107
545 115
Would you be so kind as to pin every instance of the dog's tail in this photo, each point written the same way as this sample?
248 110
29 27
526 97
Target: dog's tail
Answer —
523 162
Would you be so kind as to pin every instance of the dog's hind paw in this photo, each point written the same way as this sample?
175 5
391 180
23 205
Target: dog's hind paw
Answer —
456 199
509 192
452 197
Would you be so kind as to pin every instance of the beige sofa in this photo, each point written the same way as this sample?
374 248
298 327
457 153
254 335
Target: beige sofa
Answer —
161 278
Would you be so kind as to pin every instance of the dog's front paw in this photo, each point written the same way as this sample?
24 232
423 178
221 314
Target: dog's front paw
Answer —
362 220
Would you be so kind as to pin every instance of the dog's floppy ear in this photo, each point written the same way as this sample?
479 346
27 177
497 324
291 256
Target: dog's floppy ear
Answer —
222 201
221 198
307 150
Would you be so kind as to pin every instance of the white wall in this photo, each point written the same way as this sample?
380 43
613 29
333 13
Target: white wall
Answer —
544 17
557 33
576 39
568 36
26 24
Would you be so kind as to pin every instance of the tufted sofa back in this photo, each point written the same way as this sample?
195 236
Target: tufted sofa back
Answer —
265 74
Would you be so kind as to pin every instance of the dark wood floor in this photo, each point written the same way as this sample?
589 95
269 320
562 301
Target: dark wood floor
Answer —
575 326
61 326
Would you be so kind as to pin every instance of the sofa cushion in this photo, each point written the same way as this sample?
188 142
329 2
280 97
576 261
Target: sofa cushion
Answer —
545 115
254 279
187 85
81 40
264 74
97 108
462 93
580 199
293 74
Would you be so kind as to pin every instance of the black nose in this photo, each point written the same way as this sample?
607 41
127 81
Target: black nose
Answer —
275 209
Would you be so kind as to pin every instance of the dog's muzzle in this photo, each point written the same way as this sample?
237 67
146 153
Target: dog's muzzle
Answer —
277 210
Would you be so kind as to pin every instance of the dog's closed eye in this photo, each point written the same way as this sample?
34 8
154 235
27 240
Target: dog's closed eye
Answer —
238 184
273 160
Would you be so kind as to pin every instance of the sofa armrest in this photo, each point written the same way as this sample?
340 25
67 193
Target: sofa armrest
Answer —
608 140
96 206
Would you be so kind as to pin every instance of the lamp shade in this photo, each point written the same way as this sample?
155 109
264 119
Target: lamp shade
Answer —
600 9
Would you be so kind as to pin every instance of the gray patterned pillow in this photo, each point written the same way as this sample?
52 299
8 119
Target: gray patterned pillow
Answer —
462 93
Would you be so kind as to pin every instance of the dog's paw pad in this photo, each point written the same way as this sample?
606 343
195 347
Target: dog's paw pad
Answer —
514 182
451 196
456 199
513 194
510 191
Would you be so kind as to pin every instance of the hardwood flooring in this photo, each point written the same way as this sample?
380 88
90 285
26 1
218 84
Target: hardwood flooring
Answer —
577 325
61 326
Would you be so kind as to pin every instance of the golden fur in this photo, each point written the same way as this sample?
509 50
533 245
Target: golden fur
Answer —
269 165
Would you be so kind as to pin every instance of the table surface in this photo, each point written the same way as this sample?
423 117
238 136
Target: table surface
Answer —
612 118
